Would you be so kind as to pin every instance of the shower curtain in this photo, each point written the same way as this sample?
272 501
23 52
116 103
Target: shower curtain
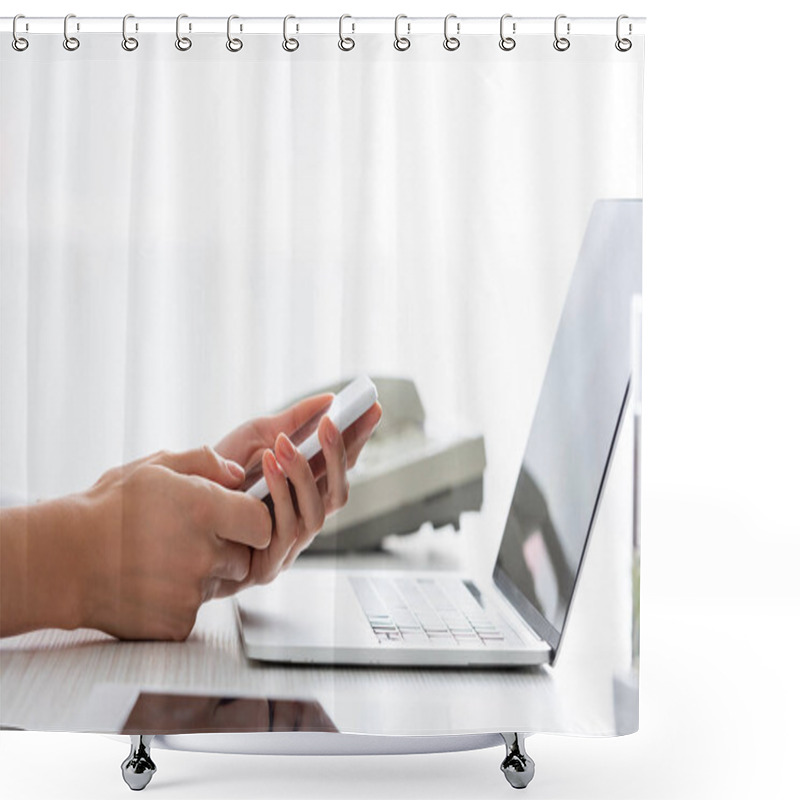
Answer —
202 228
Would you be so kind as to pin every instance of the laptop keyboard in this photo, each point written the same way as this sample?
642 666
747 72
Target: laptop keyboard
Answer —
428 611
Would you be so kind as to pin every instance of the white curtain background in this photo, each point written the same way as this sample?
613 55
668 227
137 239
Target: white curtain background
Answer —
190 239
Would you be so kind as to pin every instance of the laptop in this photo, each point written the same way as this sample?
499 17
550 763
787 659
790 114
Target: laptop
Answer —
337 616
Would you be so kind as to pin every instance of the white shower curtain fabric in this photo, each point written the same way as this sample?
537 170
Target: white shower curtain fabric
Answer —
191 239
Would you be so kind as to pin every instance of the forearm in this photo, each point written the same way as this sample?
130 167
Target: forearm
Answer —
42 566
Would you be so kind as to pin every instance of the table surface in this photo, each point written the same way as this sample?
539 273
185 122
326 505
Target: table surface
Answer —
67 680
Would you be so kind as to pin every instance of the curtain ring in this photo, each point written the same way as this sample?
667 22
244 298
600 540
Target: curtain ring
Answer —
506 42
450 42
289 44
401 43
346 43
234 45
18 43
183 43
70 42
129 43
561 43
623 45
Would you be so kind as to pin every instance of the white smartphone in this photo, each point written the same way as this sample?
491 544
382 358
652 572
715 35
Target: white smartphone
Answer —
345 408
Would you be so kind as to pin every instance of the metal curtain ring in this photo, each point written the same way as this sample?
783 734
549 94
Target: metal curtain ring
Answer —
128 42
70 42
623 45
346 43
450 42
561 43
401 43
234 45
183 43
18 42
506 42
289 44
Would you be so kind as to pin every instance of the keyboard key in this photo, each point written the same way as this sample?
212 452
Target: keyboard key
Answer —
368 597
405 619
426 612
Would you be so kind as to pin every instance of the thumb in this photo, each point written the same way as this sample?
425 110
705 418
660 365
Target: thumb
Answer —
305 414
206 462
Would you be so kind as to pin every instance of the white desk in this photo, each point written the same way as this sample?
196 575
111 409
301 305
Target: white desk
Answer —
49 677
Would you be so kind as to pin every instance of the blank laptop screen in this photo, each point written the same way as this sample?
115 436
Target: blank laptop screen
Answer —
575 424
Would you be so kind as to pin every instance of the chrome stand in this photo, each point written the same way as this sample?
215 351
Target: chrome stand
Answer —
517 766
138 768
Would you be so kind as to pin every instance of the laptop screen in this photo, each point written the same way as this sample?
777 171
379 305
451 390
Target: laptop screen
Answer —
575 425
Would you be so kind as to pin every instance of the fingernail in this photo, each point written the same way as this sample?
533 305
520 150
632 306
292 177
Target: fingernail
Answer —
330 430
285 448
272 464
236 471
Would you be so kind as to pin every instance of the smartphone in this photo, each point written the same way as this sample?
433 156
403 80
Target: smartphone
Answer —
345 408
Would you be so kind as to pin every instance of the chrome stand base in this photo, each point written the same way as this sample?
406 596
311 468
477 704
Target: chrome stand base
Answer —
138 768
517 766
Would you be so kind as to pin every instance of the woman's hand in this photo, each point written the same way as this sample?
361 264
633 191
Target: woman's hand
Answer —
165 532
138 553
303 494
134 556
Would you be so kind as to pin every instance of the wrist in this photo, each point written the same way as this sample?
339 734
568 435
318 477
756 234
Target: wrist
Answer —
41 570
64 562
96 546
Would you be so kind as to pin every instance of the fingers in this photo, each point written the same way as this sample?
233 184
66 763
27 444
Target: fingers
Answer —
293 418
286 522
300 502
234 516
232 562
299 421
333 488
299 509
204 461
340 452
247 443
241 444
333 449
355 437
297 470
